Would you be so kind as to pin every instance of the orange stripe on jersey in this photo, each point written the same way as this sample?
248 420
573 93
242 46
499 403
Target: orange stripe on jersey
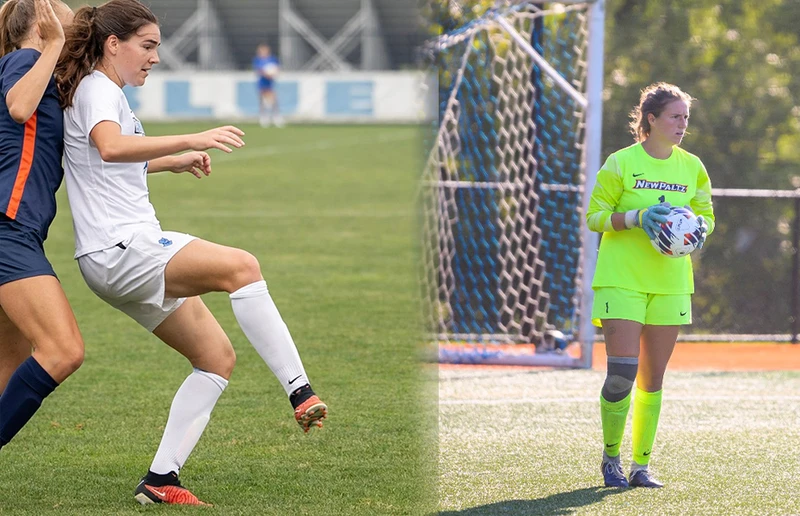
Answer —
25 163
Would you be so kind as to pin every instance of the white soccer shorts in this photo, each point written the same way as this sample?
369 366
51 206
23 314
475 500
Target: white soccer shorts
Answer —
130 276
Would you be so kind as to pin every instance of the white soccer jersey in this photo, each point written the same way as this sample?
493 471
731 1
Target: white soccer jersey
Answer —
109 201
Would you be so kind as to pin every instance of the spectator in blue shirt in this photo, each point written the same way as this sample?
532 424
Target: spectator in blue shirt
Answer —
266 67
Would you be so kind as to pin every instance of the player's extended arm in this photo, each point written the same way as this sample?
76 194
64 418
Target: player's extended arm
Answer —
115 147
23 98
197 163
164 164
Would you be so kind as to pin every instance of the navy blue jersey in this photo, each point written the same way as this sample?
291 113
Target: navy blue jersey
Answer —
30 153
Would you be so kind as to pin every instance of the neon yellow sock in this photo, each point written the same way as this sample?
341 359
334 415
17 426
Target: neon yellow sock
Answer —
614 414
646 410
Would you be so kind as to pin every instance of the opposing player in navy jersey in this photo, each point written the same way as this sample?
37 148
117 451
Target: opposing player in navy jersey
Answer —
40 344
266 67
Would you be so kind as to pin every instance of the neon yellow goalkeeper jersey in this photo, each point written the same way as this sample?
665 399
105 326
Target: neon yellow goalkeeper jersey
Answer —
632 179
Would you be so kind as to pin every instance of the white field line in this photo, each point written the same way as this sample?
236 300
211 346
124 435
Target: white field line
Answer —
306 147
596 399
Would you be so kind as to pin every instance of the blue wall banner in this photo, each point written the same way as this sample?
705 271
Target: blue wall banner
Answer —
380 97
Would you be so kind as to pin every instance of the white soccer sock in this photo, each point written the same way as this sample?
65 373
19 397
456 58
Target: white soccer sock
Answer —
188 417
264 328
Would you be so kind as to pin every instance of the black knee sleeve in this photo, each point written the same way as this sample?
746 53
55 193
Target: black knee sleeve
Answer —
619 378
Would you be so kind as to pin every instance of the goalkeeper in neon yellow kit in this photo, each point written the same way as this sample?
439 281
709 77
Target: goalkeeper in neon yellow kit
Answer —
641 297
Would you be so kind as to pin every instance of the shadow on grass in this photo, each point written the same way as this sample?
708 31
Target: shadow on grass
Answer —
557 504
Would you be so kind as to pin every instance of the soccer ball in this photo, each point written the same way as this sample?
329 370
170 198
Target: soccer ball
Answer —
270 69
679 235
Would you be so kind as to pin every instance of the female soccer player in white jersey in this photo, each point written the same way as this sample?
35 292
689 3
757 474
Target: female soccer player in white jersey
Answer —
157 276
641 297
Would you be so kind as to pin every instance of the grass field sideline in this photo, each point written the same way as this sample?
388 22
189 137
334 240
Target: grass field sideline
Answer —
329 213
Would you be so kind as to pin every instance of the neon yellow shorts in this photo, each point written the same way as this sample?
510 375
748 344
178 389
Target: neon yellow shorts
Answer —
655 309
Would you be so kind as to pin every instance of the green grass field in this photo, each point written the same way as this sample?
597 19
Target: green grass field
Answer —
529 442
329 213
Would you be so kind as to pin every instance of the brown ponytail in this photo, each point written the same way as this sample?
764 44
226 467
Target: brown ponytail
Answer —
16 17
86 39
80 53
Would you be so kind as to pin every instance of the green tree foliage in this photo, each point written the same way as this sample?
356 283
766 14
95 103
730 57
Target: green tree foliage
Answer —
442 16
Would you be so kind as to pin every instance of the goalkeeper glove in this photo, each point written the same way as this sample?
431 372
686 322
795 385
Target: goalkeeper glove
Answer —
651 219
701 231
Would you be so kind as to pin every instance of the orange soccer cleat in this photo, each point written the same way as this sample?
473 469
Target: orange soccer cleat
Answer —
172 493
311 413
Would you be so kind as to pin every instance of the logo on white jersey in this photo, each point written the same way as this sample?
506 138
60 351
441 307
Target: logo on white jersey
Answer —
138 128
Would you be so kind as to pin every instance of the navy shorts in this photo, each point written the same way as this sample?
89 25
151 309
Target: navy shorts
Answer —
21 252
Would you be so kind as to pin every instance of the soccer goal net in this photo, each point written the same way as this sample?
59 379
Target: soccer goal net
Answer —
504 188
